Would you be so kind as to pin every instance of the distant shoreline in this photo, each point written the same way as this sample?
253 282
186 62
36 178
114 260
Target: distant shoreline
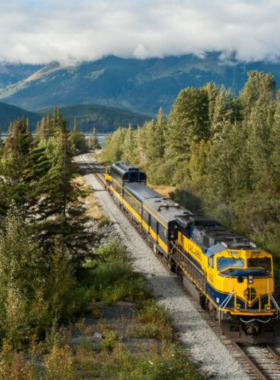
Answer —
100 137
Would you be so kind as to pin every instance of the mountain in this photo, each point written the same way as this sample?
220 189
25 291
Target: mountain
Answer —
104 119
139 85
13 73
10 113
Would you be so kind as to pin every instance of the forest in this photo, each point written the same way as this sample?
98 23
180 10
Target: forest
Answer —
65 277
221 151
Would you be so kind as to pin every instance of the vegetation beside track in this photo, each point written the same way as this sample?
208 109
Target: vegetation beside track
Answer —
222 154
121 332
57 288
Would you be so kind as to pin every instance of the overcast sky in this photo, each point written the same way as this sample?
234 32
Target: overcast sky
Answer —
40 31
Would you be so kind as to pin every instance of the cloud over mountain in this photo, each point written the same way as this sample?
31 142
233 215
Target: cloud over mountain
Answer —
40 31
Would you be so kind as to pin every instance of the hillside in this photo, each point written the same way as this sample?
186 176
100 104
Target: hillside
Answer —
13 73
104 119
140 85
10 113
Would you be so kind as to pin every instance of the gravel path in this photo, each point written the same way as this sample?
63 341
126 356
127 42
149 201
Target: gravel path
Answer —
201 342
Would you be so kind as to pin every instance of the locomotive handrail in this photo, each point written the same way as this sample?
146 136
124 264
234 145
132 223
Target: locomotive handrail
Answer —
182 253
275 303
226 301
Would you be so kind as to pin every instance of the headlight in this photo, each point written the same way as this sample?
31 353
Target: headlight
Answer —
251 279
268 308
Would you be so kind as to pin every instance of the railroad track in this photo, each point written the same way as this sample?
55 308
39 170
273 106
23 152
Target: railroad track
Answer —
96 169
259 362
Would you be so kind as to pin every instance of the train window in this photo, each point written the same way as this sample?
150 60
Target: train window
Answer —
206 241
146 217
154 225
134 176
227 262
161 233
263 262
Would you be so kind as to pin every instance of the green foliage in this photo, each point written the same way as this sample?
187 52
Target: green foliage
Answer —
113 146
188 122
110 278
33 291
22 169
78 141
221 151
10 113
104 119
93 141
171 364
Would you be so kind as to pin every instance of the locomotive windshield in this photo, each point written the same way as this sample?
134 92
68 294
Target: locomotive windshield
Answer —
255 272
263 262
228 262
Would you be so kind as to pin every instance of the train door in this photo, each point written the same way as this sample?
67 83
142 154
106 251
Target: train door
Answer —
146 220
154 229
211 276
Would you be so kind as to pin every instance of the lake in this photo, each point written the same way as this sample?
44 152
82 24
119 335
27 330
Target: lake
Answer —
100 137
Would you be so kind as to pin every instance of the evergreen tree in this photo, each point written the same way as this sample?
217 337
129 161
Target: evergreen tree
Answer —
23 167
224 159
188 122
75 125
259 87
212 93
78 141
63 216
223 111
113 148
93 140
22 281
260 144
45 128
35 290
130 153
275 142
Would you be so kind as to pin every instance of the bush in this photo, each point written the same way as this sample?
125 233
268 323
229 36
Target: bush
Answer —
33 291
110 278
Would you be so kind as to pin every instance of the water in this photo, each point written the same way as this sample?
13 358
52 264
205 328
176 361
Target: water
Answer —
100 137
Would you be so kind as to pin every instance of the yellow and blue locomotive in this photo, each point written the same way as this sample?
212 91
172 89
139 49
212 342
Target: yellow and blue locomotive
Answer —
230 276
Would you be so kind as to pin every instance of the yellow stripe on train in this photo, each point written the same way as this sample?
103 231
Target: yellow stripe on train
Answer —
153 234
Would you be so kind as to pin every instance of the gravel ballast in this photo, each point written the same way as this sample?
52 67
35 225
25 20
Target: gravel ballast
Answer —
199 339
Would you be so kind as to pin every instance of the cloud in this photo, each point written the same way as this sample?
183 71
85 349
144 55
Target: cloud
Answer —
40 31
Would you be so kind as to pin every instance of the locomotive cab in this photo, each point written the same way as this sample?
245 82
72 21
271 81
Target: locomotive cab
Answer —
242 289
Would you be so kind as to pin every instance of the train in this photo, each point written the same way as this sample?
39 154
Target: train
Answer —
230 276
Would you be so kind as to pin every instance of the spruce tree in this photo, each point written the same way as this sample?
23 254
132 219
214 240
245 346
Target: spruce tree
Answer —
93 141
223 111
63 215
260 144
23 167
259 87
130 153
212 93
188 122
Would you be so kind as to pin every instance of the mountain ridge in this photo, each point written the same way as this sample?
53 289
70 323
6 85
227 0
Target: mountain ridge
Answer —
10 113
104 119
139 85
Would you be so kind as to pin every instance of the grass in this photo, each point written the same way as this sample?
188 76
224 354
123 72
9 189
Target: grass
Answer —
165 191
152 321
108 279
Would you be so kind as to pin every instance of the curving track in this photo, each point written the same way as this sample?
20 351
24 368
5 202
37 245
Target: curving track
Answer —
259 362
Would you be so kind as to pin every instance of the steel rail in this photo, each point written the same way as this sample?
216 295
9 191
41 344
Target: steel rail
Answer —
255 369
